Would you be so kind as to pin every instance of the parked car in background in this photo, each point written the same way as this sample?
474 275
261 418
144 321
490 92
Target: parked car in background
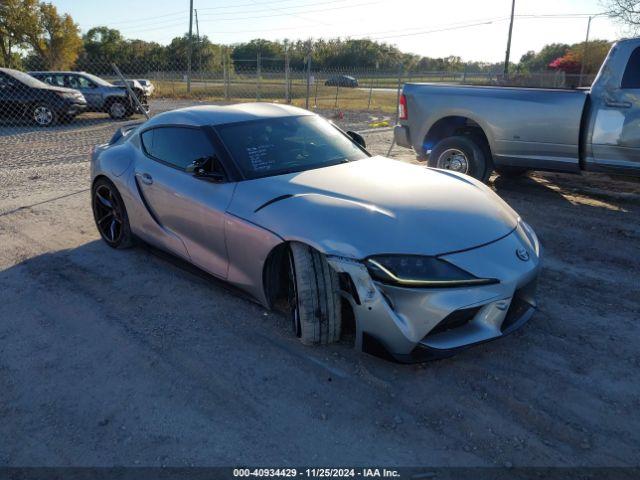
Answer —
101 95
285 205
23 97
476 130
341 81
148 87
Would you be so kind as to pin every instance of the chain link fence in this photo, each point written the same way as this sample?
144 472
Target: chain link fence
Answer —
47 99
51 120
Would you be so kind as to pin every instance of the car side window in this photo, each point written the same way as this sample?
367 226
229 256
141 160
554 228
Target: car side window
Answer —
177 146
631 77
57 80
75 81
6 82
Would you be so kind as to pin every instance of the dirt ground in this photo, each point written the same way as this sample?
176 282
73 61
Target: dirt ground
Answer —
131 358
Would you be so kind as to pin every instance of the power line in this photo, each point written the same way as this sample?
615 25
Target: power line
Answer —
146 19
234 19
276 9
444 29
152 20
268 5
404 32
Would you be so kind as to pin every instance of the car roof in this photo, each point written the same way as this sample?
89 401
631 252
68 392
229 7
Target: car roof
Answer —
8 70
219 114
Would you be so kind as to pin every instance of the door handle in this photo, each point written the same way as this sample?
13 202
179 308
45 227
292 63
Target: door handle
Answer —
146 179
614 104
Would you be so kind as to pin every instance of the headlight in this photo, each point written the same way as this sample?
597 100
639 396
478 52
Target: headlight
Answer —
419 271
531 236
70 95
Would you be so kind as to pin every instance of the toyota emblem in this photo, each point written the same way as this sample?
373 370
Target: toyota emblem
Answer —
522 254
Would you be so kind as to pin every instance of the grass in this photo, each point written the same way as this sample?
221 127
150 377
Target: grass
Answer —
244 89
271 87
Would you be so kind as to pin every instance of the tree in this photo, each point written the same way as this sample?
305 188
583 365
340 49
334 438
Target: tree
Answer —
102 43
56 43
626 12
245 55
591 54
537 62
17 19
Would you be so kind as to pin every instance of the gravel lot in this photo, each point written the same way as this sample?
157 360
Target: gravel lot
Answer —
132 358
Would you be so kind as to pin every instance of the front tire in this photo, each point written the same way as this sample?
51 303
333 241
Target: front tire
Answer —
118 110
110 214
463 155
314 296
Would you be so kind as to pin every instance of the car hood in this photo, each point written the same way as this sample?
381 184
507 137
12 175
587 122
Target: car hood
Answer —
62 89
377 205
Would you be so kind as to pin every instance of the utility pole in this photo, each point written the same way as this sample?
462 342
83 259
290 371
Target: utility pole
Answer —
506 60
584 53
199 45
190 46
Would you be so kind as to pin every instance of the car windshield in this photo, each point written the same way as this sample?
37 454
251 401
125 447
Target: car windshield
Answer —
276 146
97 80
27 80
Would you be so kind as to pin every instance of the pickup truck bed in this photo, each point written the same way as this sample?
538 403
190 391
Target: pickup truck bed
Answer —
476 129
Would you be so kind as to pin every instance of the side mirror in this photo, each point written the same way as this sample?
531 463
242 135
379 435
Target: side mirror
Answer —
199 170
356 137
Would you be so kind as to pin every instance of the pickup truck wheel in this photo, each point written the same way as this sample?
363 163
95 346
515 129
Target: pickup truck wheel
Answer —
314 296
511 171
463 155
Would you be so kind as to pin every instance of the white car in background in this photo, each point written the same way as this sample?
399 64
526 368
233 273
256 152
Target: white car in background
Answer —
147 86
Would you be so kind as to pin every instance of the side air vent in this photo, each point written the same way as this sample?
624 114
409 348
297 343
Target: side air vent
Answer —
273 200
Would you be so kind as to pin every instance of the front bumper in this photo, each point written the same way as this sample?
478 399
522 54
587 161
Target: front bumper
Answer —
73 108
417 324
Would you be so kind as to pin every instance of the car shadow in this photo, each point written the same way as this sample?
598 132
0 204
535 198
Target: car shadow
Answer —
570 190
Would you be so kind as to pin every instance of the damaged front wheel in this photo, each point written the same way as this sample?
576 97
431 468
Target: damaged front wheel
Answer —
314 296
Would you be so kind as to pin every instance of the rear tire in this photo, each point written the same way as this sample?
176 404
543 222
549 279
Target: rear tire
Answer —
315 299
463 155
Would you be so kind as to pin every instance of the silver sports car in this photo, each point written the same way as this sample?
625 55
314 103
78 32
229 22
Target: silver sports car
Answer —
283 204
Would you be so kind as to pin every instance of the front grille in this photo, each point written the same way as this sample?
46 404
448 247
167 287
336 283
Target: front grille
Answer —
455 319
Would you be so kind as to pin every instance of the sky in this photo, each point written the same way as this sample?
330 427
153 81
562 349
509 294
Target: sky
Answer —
471 29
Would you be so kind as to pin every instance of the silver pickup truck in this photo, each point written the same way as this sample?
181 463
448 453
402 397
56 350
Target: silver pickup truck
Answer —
476 130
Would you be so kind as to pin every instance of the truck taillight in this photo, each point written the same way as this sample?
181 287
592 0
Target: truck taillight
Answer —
402 108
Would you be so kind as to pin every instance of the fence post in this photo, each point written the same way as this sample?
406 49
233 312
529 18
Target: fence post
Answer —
399 91
258 76
306 103
225 74
287 92
371 89
130 92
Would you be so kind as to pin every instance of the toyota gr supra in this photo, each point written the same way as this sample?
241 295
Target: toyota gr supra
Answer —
289 208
